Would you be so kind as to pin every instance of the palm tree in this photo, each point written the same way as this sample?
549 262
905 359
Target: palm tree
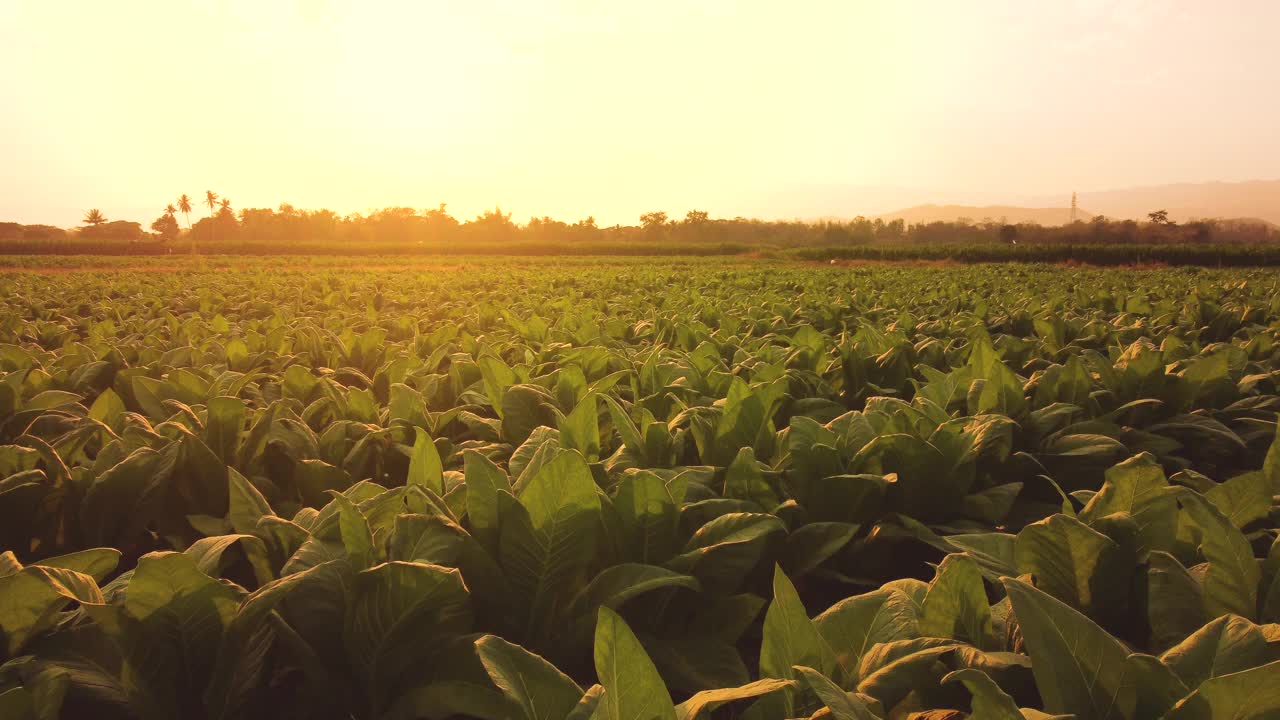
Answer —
224 206
94 217
170 209
210 199
184 204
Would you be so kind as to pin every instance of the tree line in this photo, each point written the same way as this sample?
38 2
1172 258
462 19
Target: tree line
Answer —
287 225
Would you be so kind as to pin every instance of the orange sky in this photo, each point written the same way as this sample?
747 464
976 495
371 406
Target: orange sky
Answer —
612 109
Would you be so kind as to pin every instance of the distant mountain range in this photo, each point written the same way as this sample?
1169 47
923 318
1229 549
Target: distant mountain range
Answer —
1011 214
1253 199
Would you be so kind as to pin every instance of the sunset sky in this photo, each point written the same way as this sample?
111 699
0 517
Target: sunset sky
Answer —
612 109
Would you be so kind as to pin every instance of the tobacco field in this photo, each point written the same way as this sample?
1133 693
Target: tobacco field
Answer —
566 489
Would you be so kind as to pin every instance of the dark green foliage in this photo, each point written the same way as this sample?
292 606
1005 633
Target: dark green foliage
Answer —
612 489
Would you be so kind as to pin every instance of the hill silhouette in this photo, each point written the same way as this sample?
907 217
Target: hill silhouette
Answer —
1010 214
1186 201
1253 200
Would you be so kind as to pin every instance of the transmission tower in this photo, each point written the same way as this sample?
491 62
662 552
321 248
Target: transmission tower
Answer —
1075 208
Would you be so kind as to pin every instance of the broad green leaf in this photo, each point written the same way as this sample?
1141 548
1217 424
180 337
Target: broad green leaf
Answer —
168 629
1271 584
246 504
208 553
315 478
586 707
524 408
842 705
1079 668
484 480
50 683
1253 694
147 391
541 690
561 490
791 638
9 563
431 539
109 510
400 613
225 421
1243 499
1138 486
170 589
542 447
813 544
297 382
108 409
580 429
692 660
919 464
308 623
728 617
956 604
989 701
1175 601
1228 644
999 389
1271 465
548 538
725 549
708 700
570 386
745 420
425 469
625 426
843 498
498 377
1156 685
648 516
199 480
312 552
243 651
995 553
633 690
1071 561
993 504
447 699
237 353
407 405
31 598
357 536
744 480
1205 380
97 563
854 625
890 672
1231 581
284 536
619 583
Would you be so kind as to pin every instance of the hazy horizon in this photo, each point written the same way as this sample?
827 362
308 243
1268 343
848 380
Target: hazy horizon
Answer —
571 109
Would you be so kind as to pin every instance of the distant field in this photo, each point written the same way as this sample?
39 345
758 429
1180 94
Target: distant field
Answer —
1210 255
371 263
383 488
